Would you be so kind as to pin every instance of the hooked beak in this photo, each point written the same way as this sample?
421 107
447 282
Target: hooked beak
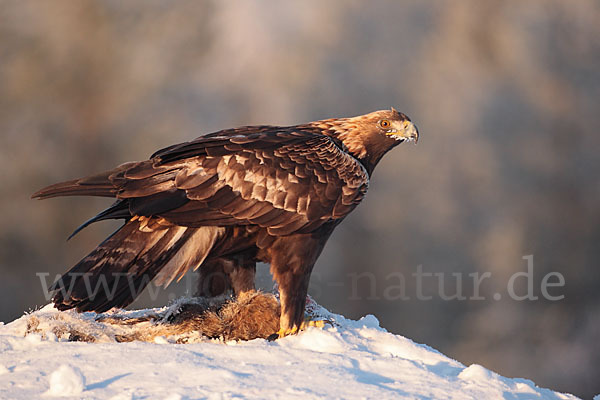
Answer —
411 132
406 131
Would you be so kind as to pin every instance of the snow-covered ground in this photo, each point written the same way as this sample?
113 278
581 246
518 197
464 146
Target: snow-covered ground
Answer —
353 359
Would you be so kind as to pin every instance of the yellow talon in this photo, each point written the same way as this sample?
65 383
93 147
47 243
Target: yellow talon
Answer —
317 323
292 331
286 332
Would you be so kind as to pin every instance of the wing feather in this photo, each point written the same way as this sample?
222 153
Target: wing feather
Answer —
284 179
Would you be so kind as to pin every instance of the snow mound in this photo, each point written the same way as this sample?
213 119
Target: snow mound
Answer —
66 381
349 359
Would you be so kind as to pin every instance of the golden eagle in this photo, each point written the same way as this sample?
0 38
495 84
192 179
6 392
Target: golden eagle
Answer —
224 202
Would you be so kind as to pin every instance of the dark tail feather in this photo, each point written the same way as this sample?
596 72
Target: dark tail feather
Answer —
94 185
75 188
120 209
117 271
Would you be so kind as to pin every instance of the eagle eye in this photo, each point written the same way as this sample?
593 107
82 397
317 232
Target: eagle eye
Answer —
384 123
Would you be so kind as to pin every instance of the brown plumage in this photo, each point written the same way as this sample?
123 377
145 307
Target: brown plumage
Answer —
225 201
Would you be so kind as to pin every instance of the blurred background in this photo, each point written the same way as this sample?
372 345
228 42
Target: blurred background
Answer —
506 95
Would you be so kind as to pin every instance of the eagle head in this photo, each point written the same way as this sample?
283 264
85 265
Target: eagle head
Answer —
368 137
395 125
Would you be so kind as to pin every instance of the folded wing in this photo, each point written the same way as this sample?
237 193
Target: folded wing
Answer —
283 179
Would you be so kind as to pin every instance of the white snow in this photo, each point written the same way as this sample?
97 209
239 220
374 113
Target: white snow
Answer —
66 381
352 359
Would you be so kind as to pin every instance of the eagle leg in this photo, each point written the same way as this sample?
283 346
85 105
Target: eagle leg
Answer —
292 259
